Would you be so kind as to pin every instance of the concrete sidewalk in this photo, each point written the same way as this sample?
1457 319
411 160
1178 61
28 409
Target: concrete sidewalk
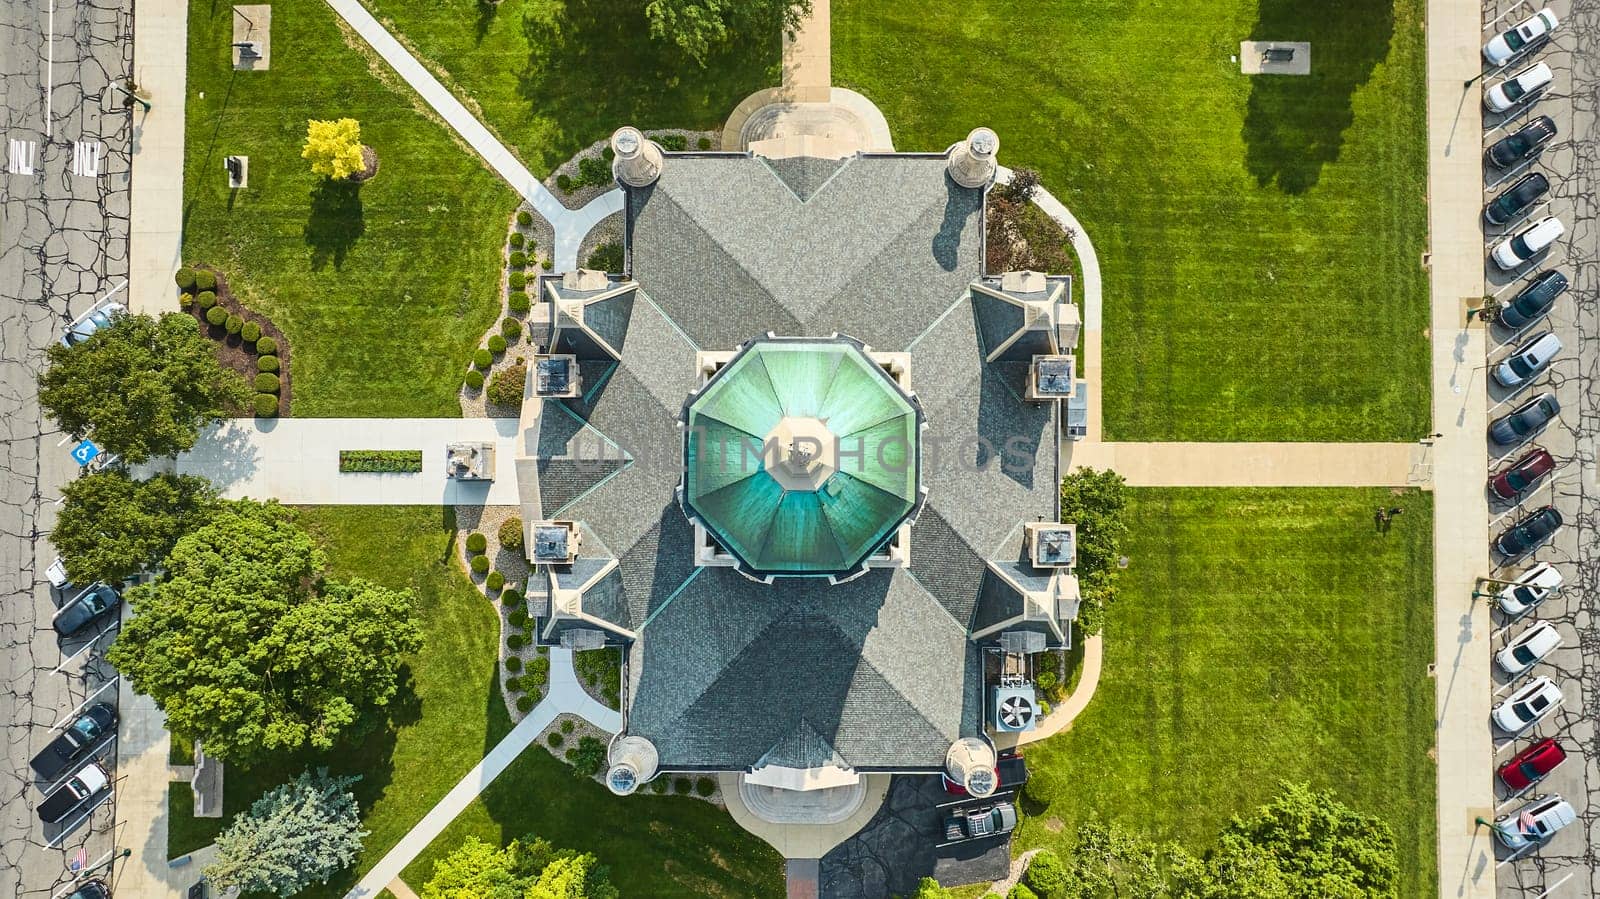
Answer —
155 239
1257 464
142 815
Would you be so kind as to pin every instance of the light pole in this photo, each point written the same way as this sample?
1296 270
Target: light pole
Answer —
110 860
1498 584
131 96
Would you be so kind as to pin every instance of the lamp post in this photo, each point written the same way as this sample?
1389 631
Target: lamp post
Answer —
1498 584
110 860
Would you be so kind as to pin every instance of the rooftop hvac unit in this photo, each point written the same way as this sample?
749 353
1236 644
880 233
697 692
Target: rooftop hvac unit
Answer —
1014 709
1021 642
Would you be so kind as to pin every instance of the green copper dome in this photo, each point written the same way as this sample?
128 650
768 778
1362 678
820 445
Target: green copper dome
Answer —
801 456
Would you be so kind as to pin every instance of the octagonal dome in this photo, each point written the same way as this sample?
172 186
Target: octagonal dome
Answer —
801 456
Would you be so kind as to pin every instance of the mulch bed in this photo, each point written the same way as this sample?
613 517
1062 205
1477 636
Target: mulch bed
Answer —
234 353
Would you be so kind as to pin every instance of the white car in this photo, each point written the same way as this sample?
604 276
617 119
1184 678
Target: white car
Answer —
1534 823
1525 652
1518 87
1527 360
1502 47
1527 706
1529 242
1532 587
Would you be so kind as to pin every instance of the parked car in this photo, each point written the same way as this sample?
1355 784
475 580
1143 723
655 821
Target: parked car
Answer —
1528 649
78 791
1519 88
1534 823
91 889
1532 587
980 821
1531 240
75 742
1516 199
1530 765
1526 420
1522 476
1527 706
1010 773
1534 301
1523 142
1507 44
1531 357
1531 531
84 326
84 609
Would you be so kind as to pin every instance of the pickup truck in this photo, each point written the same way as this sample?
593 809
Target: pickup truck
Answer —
981 821
73 795
74 742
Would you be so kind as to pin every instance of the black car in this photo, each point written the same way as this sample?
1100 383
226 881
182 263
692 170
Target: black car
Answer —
1522 143
1534 301
91 889
79 737
85 608
1529 532
1525 421
1516 199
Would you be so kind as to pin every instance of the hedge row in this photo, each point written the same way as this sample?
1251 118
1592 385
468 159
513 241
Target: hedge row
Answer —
380 460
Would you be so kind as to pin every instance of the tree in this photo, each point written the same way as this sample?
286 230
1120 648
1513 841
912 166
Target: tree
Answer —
248 648
529 868
140 387
573 877
1306 844
112 526
297 834
1095 502
699 26
334 148
1020 188
928 888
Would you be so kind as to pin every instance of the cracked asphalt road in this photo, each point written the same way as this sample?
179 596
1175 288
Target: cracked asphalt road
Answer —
63 243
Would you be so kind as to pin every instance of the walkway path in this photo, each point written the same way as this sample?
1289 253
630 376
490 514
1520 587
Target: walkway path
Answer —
142 815
1461 514
566 695
1078 700
155 243
570 224
1257 464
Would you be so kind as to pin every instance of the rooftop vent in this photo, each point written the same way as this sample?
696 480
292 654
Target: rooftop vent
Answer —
555 542
1051 378
556 377
1014 709
1052 545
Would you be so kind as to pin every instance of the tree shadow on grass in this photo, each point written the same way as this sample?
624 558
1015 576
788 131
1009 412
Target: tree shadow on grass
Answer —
336 223
1294 125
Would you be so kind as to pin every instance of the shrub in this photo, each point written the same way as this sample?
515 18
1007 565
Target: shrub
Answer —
185 279
497 344
1021 891
266 382
593 170
251 332
505 388
518 618
515 642
607 257
590 756
704 787
205 280
513 664
517 259
534 678
217 315
511 533
1096 500
267 346
681 786
1046 874
477 544
380 460
555 740
547 264
659 785
564 181
677 143
510 598
517 281
703 143
518 301
608 154
266 405
207 300
235 324
494 581
566 725
482 360
524 217
513 684
480 564
511 329
266 363
185 300
516 240
474 379
525 703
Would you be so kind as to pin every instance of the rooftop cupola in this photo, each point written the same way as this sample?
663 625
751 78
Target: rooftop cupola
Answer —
638 159
972 162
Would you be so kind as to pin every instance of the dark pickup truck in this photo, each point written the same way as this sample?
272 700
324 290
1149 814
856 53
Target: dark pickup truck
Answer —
73 795
982 821
75 742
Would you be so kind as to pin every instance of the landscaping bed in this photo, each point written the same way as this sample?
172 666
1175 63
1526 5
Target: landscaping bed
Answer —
239 350
403 461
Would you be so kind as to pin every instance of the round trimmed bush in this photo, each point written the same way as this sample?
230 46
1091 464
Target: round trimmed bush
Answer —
566 725
511 533
205 280
477 544
516 281
524 217
482 360
518 617
681 786
474 379
206 299
704 787
703 143
511 597
518 301
516 641
251 332
518 259
511 329
525 703
1046 874
494 581
547 264
185 279
505 388
514 684
497 344
235 324
659 785
266 405
513 664
517 239
266 382
564 181
480 564
266 363
217 315
555 740
266 346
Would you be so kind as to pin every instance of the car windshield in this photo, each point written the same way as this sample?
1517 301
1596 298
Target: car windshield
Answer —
1520 247
1524 655
86 727
1522 365
1514 40
1516 481
1528 769
1525 595
1513 89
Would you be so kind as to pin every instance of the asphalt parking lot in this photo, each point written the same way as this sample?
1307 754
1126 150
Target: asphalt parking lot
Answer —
1564 866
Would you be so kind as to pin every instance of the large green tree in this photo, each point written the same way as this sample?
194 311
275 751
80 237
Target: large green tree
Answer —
700 26
528 868
1306 843
140 387
1095 502
247 647
112 526
297 834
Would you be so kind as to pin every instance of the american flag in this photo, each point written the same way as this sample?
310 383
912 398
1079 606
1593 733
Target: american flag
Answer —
79 860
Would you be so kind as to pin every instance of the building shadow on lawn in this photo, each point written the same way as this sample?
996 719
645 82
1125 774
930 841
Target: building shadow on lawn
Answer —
1294 125
336 223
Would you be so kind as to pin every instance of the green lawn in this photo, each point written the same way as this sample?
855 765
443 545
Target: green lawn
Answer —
1258 635
384 288
1259 238
553 76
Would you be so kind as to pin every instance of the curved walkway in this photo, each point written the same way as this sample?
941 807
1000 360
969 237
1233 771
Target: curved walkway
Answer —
1058 719
566 695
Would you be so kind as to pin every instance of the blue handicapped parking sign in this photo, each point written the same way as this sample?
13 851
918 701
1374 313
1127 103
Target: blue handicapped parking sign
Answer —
85 452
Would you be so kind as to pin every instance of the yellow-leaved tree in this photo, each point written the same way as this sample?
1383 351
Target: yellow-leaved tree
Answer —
334 148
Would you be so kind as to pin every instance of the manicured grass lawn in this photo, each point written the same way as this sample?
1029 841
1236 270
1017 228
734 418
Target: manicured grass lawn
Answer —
1260 238
384 288
552 76
1258 635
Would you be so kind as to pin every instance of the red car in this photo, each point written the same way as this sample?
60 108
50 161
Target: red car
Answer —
1521 477
1531 765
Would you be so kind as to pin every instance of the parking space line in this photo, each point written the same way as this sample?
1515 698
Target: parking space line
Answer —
85 704
56 841
1552 888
